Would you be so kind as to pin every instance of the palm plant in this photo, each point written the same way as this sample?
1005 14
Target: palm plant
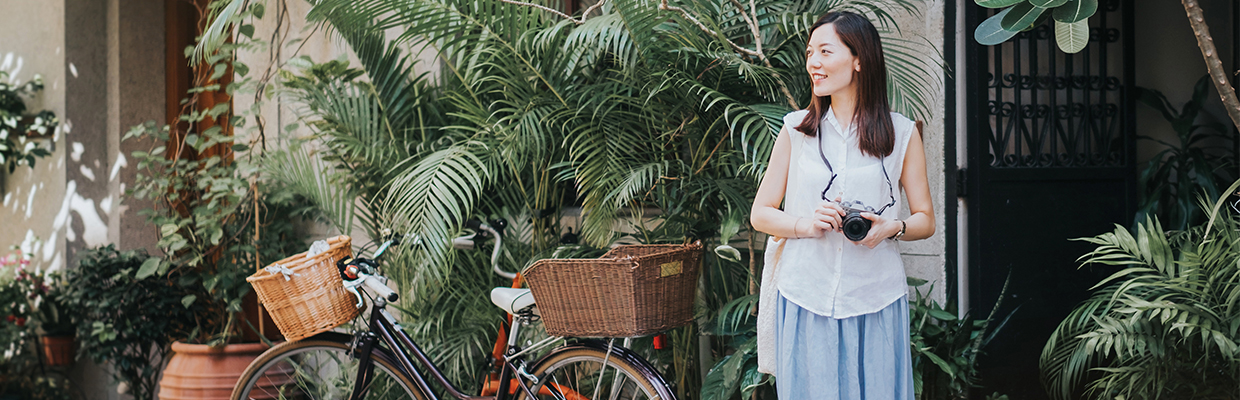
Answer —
1165 325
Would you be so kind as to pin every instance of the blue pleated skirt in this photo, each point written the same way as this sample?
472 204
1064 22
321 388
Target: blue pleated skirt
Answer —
866 357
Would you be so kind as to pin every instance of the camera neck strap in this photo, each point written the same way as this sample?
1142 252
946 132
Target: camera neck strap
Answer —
890 188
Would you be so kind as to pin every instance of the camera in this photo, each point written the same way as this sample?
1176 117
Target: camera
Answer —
855 226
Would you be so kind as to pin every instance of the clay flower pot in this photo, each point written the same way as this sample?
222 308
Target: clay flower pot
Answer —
59 350
197 371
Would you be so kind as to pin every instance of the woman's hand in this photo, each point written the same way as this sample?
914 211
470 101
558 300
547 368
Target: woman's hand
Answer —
826 218
880 229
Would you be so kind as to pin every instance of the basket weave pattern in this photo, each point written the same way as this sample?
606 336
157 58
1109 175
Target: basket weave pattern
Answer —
312 302
630 291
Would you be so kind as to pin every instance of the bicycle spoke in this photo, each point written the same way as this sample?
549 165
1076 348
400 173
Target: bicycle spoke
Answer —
322 372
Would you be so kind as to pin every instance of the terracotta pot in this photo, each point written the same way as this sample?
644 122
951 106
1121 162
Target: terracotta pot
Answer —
58 350
197 371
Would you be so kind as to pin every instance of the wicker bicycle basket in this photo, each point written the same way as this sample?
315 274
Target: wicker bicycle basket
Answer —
630 291
312 299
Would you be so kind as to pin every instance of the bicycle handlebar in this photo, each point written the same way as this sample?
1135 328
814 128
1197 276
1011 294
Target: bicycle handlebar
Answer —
379 287
363 272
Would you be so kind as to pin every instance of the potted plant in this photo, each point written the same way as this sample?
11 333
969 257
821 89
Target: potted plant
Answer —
216 227
23 290
125 321
19 129
52 318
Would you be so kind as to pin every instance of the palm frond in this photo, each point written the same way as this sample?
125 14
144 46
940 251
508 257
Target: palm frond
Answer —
435 195
306 174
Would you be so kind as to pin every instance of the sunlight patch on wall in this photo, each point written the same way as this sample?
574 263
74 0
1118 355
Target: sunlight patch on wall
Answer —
121 162
78 149
94 229
30 201
87 173
49 252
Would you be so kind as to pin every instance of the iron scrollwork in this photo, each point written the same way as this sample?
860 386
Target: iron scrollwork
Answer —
1048 109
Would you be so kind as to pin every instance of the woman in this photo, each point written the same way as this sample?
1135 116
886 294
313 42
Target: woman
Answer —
840 316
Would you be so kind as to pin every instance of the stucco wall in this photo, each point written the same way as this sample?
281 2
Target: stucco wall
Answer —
926 259
32 42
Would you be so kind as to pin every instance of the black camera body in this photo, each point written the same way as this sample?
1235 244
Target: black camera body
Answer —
855 226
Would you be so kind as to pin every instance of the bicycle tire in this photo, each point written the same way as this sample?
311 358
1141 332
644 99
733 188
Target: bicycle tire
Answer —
576 372
320 367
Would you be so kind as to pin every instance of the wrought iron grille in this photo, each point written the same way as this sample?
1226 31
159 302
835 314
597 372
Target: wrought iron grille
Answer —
1050 109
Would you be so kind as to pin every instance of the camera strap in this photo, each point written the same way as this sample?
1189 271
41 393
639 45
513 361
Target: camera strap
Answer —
890 188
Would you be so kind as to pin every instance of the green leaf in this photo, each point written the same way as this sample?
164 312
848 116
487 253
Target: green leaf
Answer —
728 253
1072 36
1075 10
219 71
942 315
1048 3
258 9
188 300
1022 16
168 229
990 32
247 30
148 267
240 147
997 3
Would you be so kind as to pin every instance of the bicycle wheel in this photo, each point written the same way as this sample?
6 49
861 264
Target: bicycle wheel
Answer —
587 371
320 368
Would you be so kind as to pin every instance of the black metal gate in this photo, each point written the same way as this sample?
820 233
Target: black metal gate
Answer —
1050 158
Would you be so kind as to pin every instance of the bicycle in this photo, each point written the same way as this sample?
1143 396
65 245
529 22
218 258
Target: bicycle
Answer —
378 362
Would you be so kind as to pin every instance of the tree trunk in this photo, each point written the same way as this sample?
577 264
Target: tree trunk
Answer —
1213 63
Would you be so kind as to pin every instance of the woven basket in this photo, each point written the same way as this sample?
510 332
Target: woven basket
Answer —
630 291
312 302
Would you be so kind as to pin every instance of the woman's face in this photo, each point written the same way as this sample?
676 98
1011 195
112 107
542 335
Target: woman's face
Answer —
830 63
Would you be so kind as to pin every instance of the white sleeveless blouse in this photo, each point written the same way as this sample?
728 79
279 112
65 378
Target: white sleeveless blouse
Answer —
831 275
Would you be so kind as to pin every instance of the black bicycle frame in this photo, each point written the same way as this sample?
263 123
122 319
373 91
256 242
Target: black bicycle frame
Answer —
401 346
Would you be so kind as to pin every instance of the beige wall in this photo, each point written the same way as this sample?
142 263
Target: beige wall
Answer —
926 259
32 42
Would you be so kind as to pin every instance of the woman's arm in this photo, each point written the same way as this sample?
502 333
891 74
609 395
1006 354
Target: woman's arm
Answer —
920 223
917 190
765 214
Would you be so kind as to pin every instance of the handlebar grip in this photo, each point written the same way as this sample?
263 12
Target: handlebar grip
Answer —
473 224
380 289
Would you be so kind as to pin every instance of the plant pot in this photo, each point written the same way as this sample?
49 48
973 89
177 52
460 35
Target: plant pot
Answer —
58 350
198 371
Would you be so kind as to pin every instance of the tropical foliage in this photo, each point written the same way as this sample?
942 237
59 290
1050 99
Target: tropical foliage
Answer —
656 118
1166 324
945 347
1196 165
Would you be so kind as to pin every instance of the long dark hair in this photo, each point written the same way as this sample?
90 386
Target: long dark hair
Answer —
872 113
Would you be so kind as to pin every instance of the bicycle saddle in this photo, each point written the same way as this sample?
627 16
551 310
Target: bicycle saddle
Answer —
511 300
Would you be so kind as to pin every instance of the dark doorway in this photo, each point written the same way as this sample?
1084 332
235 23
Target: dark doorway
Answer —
1050 158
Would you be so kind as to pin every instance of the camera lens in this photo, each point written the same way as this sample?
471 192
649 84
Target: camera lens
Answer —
855 227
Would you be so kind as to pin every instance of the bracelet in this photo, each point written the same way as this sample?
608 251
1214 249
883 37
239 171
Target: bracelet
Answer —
900 234
796 225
